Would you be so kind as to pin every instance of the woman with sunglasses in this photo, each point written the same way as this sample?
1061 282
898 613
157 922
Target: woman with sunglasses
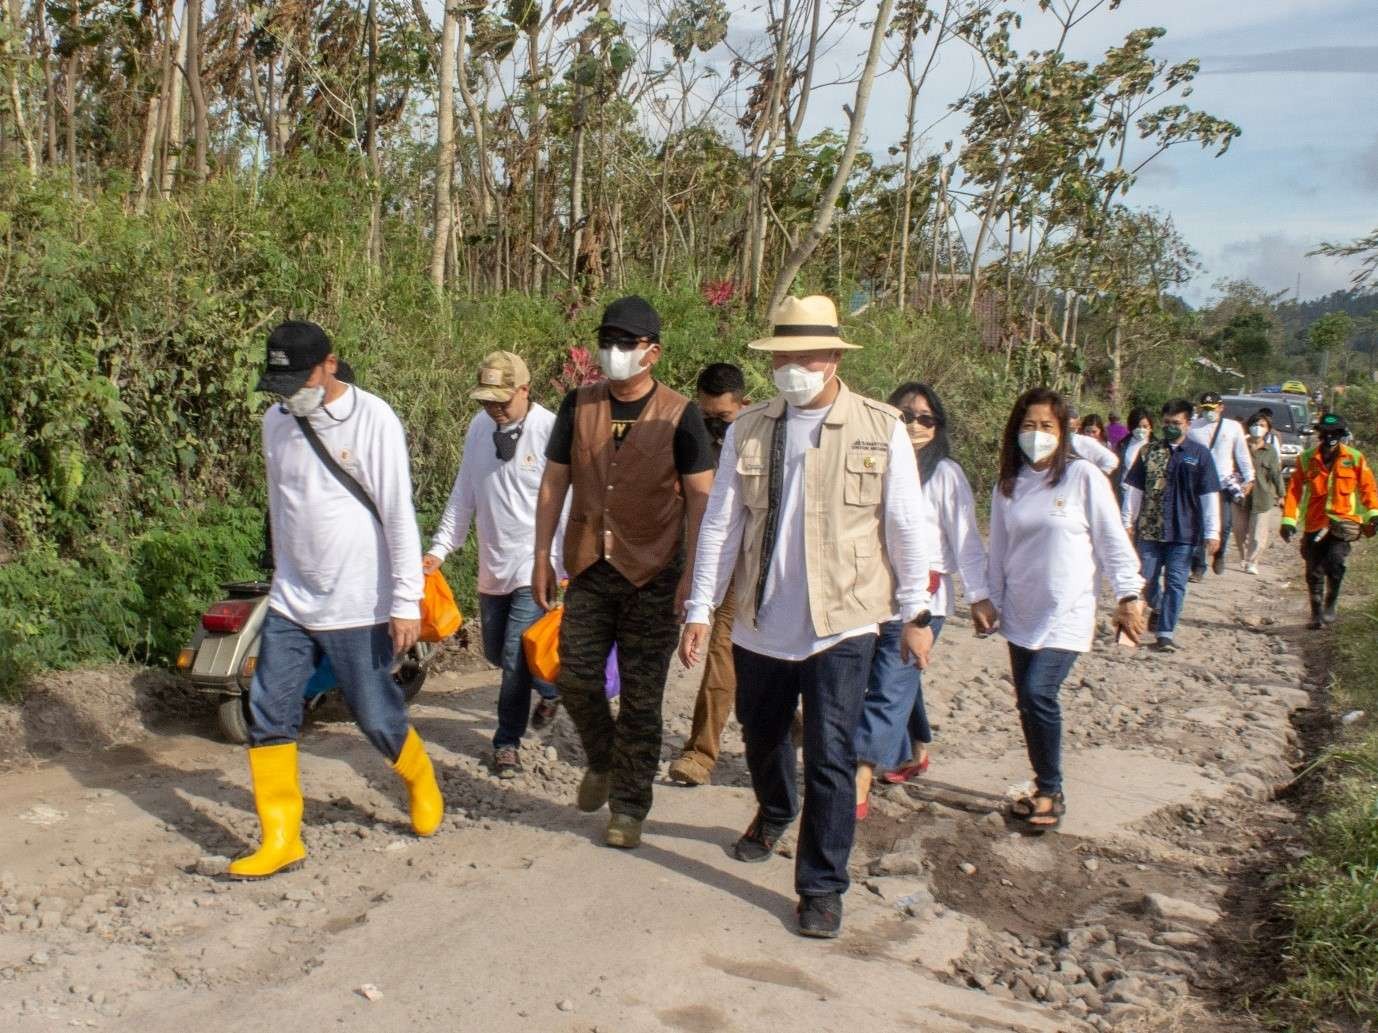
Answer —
894 733
1054 531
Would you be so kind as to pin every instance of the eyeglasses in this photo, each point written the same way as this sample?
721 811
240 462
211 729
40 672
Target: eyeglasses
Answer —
621 341
923 420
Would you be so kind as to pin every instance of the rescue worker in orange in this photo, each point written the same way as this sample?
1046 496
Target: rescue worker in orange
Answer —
1333 488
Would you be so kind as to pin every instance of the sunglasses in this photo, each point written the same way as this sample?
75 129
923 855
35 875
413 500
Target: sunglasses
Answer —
621 341
926 420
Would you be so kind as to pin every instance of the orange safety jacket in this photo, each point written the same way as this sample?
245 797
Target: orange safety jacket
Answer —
1344 491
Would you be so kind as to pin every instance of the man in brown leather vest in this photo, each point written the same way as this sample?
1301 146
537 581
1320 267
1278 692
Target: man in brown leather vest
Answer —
817 519
640 462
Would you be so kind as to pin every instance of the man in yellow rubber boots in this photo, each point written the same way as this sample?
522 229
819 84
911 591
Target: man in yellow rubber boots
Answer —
347 583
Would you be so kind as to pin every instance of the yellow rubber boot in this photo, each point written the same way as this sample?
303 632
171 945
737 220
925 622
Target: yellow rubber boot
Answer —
278 799
427 805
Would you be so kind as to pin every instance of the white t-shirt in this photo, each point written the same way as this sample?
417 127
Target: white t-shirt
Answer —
500 498
784 625
336 567
1231 449
1047 543
956 547
1089 448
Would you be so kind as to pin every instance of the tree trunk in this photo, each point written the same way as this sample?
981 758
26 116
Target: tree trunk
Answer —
21 123
172 125
827 204
71 97
200 127
533 62
1116 365
445 145
375 211
975 280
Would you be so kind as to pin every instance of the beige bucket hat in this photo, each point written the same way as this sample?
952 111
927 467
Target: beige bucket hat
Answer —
803 324
499 376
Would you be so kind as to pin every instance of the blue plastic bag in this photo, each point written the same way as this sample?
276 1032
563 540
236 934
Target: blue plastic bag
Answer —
612 678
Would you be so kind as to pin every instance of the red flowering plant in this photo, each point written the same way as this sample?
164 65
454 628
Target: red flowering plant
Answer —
718 293
580 368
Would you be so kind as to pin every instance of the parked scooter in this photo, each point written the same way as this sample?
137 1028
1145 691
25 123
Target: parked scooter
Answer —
223 654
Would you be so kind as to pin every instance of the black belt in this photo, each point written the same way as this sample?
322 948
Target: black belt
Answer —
775 481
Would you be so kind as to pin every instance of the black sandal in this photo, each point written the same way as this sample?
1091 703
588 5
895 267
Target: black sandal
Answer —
1026 811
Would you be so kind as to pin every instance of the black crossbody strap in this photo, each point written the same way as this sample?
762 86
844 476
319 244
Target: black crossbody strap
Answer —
350 484
775 483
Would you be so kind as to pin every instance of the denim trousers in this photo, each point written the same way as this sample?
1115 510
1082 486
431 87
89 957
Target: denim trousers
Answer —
832 685
503 619
1199 560
1038 676
1165 566
893 716
362 659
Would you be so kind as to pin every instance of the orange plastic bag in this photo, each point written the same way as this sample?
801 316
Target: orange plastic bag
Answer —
541 644
440 616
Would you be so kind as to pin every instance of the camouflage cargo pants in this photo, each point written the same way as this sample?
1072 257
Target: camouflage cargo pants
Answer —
603 607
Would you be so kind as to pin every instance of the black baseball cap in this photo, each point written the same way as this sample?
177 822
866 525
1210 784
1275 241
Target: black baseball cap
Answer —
1208 398
294 349
1332 423
633 315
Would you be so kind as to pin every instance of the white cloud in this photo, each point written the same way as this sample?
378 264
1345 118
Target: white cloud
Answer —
1274 260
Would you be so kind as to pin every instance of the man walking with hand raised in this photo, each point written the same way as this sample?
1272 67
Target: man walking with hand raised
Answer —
817 511
639 461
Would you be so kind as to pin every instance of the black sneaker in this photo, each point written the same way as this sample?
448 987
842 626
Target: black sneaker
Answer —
507 763
820 917
1152 620
1218 563
757 842
1197 576
544 713
1166 645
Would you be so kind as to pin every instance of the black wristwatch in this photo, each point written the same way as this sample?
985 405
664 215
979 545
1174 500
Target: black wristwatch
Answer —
923 620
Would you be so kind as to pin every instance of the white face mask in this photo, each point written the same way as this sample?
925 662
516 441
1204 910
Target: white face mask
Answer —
1037 445
305 401
799 386
1210 415
621 365
1257 430
1140 433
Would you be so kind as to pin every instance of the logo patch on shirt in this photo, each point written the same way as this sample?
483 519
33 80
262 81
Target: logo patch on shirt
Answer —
870 446
346 455
529 461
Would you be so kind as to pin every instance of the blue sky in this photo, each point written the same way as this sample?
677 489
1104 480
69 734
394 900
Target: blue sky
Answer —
1305 168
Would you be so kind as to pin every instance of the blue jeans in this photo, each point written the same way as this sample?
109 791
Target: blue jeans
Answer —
893 716
832 684
1199 559
1038 675
1170 563
503 619
362 658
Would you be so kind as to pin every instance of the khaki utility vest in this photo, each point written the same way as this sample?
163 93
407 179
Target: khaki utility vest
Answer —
850 582
628 505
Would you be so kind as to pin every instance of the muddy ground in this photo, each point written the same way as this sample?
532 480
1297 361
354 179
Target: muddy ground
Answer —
119 807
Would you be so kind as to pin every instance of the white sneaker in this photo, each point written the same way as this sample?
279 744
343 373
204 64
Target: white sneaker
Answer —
1251 568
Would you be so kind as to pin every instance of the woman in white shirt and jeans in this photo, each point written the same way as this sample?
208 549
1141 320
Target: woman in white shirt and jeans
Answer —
894 733
1053 525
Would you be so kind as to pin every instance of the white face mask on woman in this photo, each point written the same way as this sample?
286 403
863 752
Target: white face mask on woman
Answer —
621 365
304 401
1140 433
1257 430
1037 445
799 386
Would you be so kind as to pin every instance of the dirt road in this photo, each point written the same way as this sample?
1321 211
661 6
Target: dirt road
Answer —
515 918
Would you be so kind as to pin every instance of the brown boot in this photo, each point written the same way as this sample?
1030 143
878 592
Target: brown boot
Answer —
689 770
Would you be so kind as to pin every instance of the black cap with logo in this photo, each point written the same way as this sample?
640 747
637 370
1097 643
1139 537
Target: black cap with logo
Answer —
1209 398
1332 425
294 349
633 315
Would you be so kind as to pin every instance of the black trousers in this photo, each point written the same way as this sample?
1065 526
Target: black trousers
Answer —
1325 562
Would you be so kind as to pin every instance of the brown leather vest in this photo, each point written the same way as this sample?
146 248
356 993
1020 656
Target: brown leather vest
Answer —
628 506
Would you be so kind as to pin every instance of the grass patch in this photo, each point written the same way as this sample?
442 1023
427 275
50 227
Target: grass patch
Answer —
1330 898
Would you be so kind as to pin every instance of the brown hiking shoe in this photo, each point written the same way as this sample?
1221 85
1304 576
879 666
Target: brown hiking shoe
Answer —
687 771
624 832
593 791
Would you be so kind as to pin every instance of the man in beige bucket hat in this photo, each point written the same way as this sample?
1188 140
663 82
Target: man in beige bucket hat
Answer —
496 488
816 511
